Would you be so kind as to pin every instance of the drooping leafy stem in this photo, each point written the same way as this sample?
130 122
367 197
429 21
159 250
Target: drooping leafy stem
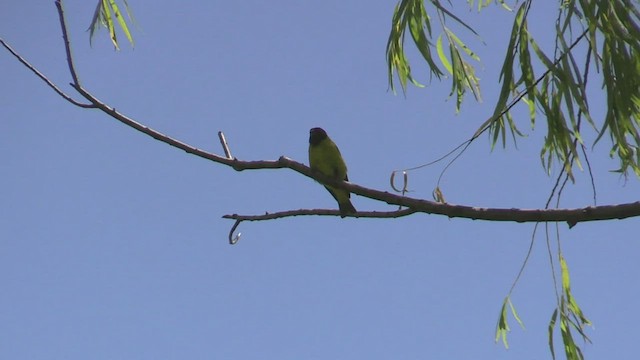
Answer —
609 29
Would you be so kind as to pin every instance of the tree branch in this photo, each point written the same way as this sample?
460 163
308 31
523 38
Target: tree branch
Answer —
409 205
571 216
67 43
321 212
43 78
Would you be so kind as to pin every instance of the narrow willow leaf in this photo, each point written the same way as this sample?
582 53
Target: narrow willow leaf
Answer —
129 12
396 59
552 325
95 21
121 21
103 16
443 56
512 126
420 40
528 77
472 81
464 47
564 270
502 327
575 309
108 21
515 314
580 97
504 5
459 77
484 3
453 16
541 55
506 78
463 74
412 15
570 347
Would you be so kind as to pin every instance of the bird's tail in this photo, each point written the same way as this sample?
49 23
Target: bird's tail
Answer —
346 207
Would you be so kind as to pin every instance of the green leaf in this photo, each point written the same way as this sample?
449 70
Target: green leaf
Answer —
442 56
436 3
484 3
564 270
462 45
502 327
570 309
108 22
552 325
103 17
95 21
496 123
463 75
515 314
121 21
396 60
412 15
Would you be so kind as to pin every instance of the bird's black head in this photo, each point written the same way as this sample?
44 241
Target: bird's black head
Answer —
316 135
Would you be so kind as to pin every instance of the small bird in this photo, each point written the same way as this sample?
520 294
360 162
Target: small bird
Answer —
325 158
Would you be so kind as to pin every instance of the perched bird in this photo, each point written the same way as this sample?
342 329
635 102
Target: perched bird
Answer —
325 158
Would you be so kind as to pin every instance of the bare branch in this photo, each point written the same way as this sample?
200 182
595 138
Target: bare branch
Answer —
44 78
571 216
233 239
321 212
67 43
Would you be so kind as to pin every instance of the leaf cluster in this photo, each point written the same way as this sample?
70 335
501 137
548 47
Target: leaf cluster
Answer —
103 16
571 317
454 55
600 34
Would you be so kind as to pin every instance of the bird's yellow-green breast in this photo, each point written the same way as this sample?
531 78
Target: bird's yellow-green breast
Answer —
325 158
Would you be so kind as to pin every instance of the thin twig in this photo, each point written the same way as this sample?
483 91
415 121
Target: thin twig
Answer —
593 183
526 259
321 212
225 146
234 239
43 78
67 43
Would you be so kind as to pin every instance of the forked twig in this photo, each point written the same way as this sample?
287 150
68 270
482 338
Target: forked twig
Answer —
44 78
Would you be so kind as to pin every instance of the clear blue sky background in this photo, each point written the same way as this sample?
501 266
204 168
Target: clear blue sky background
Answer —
112 244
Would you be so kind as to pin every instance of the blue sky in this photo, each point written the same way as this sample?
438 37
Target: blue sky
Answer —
112 244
